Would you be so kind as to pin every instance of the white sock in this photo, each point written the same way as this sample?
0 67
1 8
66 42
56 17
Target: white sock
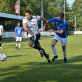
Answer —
54 50
16 45
19 45
64 53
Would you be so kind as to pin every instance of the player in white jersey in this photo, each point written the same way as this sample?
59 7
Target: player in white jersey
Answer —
1 32
30 25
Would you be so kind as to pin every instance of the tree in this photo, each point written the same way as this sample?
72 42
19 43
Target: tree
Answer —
77 11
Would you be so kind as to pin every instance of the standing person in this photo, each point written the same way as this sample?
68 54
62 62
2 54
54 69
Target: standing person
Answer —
18 35
61 34
1 32
30 25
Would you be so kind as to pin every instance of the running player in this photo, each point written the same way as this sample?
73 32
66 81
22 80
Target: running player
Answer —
61 34
1 32
18 35
30 25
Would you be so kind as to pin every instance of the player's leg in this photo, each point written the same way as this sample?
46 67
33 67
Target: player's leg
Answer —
42 52
35 44
17 42
64 43
20 39
0 42
54 41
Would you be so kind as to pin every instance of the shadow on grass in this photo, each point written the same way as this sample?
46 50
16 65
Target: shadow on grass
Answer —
13 40
56 71
17 55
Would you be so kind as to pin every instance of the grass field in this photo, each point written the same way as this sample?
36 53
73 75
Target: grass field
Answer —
26 65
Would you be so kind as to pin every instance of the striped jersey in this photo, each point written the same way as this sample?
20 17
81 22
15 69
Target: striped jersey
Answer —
1 27
32 24
60 25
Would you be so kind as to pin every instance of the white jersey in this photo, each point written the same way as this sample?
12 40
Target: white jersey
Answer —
1 27
32 24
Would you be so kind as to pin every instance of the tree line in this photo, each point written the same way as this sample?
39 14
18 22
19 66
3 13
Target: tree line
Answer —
50 10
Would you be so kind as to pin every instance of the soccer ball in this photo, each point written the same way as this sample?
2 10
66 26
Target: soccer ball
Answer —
3 57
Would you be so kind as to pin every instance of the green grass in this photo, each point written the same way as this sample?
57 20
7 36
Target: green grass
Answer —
26 65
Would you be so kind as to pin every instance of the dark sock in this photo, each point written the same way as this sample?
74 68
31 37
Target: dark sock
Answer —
45 54
0 44
39 48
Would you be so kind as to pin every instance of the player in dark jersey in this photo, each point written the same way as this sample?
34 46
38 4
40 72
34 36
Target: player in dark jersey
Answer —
18 34
61 34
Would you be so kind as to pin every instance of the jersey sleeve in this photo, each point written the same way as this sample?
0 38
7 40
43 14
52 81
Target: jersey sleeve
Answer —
15 29
38 18
64 26
2 27
51 20
24 21
22 29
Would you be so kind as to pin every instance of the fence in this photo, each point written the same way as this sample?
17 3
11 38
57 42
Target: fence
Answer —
46 33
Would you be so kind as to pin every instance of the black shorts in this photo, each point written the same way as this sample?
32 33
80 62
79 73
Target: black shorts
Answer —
0 37
35 38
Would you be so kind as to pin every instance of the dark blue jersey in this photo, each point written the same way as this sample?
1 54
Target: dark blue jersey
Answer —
60 25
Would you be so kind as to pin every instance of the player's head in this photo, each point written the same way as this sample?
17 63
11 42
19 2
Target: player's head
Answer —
60 16
18 24
28 15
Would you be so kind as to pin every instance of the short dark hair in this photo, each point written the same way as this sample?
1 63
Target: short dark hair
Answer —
28 11
61 14
18 22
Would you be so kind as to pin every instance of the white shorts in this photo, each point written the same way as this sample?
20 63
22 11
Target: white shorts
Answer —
63 40
18 38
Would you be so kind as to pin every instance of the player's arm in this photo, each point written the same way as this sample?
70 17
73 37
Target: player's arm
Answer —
26 29
14 35
48 26
48 21
23 34
59 32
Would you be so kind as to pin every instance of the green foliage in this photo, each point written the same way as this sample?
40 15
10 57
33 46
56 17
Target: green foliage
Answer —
77 11
50 10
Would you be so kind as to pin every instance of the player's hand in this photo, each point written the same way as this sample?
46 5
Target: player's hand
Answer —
1 32
23 37
44 27
15 37
51 30
48 26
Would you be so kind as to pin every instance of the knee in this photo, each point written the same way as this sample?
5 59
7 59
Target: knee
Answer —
52 45
63 48
30 44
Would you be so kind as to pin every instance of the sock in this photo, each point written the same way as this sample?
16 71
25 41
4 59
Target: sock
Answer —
36 47
0 44
39 48
54 50
64 53
16 44
19 45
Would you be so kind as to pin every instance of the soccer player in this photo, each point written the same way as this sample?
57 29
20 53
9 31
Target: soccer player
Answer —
30 25
1 32
61 34
18 35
